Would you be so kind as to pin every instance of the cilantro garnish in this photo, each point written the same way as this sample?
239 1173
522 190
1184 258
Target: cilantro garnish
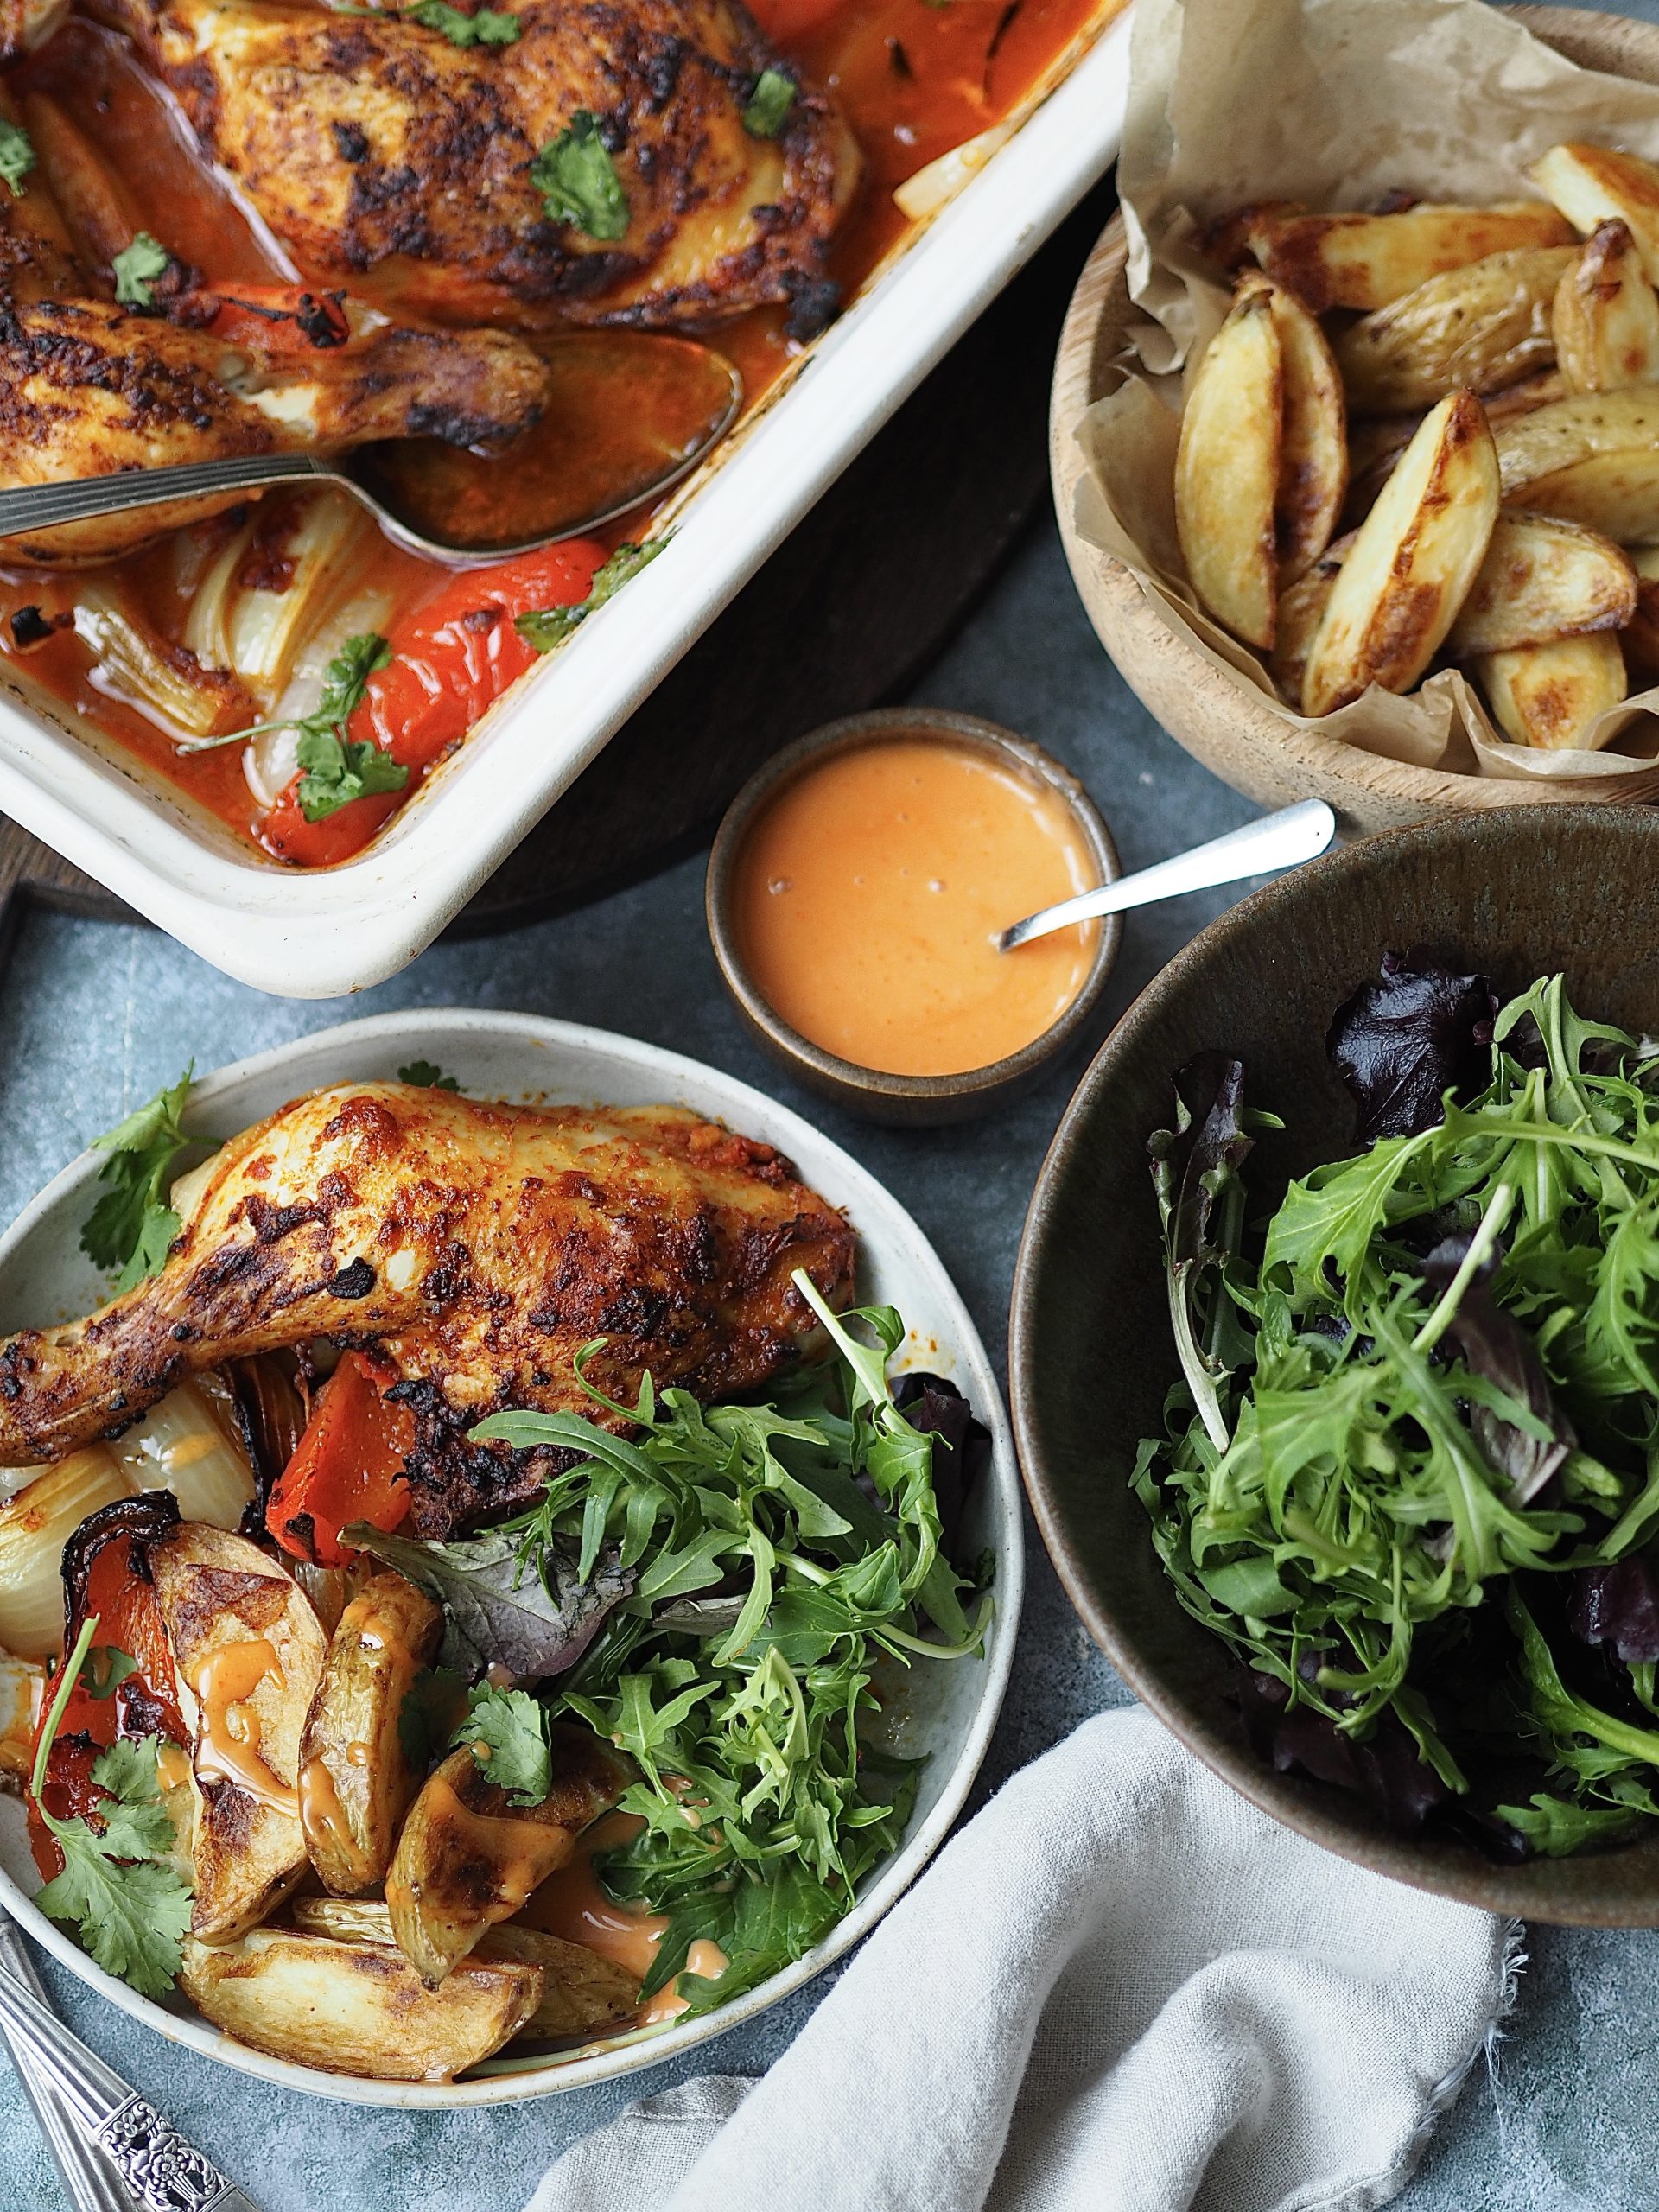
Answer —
117 1886
508 1731
131 1226
135 268
335 769
485 26
16 155
428 1075
769 102
547 626
578 182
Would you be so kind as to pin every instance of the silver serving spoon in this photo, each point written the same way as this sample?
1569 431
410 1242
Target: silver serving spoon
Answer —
1295 834
98 2127
629 414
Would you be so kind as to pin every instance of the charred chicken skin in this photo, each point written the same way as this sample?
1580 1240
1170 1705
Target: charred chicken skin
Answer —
373 143
476 1249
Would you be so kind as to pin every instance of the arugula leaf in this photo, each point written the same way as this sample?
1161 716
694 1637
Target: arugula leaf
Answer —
130 1908
16 155
484 27
769 102
135 270
508 1729
130 1228
547 626
427 1076
578 181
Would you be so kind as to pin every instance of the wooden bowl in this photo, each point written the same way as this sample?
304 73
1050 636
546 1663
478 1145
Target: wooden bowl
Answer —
1220 719
1515 894
905 1101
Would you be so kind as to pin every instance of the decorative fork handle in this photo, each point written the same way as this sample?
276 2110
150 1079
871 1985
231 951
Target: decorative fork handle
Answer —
43 506
89 2180
162 2171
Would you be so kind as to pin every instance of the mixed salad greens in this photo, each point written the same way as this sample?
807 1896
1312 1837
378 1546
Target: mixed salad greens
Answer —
1411 1476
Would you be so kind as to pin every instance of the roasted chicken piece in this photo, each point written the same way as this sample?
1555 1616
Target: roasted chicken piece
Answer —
478 1247
375 143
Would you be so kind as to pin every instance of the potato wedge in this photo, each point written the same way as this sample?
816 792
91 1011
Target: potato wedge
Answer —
357 2008
249 1651
1411 563
1592 458
1593 185
1313 437
1302 610
1606 315
584 1994
468 1860
1369 261
356 1779
1549 696
1543 579
1479 328
1524 398
1227 471
1639 639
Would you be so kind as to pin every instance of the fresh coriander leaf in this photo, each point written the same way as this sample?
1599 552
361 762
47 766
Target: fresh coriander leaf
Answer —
547 626
17 156
336 770
578 181
508 1731
130 1227
769 102
484 27
135 270
428 1075
107 1667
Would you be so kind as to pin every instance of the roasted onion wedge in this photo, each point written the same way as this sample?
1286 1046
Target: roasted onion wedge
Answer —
1593 185
1549 696
582 1995
357 2008
1543 579
1592 458
249 1651
1479 328
1412 561
355 1776
1227 470
1605 317
1369 261
468 1858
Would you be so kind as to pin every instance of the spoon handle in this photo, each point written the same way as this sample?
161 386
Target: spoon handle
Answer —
43 506
89 2180
1283 840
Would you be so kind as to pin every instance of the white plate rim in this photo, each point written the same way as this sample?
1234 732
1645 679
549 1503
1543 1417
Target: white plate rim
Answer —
874 1212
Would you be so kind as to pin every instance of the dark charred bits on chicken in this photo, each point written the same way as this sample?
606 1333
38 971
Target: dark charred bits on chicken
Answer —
30 629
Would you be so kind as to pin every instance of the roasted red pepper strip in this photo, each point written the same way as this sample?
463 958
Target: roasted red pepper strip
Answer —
347 1466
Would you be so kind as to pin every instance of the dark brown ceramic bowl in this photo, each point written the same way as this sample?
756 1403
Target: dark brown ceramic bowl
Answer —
1514 895
917 1101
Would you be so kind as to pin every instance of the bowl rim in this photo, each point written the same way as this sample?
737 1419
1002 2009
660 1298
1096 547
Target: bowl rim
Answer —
1444 1872
854 734
868 1199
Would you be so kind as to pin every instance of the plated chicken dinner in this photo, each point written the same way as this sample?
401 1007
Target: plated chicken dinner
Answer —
451 1593
462 244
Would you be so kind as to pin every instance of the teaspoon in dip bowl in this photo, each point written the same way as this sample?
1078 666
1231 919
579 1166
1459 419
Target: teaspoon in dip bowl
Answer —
628 414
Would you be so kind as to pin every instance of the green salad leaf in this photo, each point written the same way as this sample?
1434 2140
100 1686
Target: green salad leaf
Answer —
508 1731
131 1226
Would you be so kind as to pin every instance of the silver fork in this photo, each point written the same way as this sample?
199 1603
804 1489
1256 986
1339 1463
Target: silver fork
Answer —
114 2151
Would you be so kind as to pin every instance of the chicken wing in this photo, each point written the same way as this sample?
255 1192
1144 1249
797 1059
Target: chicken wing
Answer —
372 144
478 1247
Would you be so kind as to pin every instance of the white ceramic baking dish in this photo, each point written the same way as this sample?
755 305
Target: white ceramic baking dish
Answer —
316 934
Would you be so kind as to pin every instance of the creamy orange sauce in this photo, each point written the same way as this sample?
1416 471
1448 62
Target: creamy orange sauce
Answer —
571 1903
224 1681
325 1821
869 892
518 1852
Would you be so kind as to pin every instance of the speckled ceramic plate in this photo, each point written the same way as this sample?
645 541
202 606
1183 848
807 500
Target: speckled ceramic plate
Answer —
945 1712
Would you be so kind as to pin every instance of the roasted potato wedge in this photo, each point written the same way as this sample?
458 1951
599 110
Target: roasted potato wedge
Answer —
1525 397
1370 261
1313 437
468 1860
1592 458
1593 185
1543 579
356 1780
249 1651
1301 609
357 2008
1479 328
582 1995
1227 470
1606 315
1639 638
1411 563
1549 696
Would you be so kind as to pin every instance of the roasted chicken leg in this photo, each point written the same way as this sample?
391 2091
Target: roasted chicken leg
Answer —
478 1248
369 142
